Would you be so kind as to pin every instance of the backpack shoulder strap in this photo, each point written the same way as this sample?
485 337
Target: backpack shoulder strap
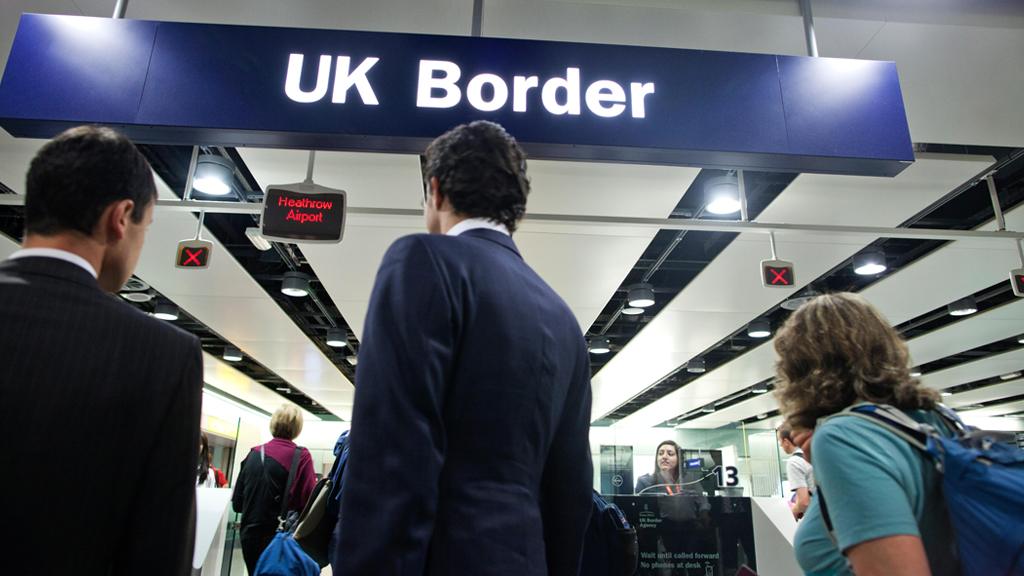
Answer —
893 420
288 485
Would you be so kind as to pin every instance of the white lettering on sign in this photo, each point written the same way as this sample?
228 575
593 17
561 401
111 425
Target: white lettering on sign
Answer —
343 80
438 87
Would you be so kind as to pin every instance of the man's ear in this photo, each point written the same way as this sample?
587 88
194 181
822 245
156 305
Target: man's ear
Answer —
114 221
436 198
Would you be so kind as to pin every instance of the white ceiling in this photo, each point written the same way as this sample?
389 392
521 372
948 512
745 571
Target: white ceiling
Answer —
961 81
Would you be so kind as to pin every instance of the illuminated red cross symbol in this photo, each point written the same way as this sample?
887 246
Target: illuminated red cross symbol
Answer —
193 257
777 276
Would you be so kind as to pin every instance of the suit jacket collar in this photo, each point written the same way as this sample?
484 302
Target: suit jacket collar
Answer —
499 238
50 267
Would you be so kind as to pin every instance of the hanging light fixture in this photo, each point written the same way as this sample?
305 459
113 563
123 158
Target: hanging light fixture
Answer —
798 301
599 345
963 307
640 296
915 373
696 366
336 338
759 389
708 409
166 311
759 329
295 284
214 175
232 354
869 262
632 311
722 195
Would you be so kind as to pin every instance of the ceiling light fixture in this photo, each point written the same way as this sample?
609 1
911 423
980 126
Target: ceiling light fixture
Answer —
232 354
166 311
759 329
722 195
336 338
708 409
759 389
915 372
599 345
798 301
963 307
946 394
632 311
257 239
696 366
1020 339
1010 376
869 262
352 360
640 296
295 284
138 297
762 416
213 175
283 389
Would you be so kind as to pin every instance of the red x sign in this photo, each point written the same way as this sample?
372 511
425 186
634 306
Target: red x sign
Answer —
777 274
193 254
1017 279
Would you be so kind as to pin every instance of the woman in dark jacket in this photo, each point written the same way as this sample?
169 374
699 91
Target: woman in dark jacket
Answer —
665 478
261 483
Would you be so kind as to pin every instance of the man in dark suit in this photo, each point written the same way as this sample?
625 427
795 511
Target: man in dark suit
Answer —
99 403
470 432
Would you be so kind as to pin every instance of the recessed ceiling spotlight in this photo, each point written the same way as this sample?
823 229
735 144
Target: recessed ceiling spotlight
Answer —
759 329
336 338
708 409
915 373
166 311
722 195
696 366
945 394
869 262
599 345
352 360
963 307
232 354
295 284
255 235
283 389
632 311
213 175
759 389
1010 376
1020 339
640 296
762 416
138 297
798 301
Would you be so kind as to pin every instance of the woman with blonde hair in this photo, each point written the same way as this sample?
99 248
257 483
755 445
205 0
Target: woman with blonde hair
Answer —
883 496
263 479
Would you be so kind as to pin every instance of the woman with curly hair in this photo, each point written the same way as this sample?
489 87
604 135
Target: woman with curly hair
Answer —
883 497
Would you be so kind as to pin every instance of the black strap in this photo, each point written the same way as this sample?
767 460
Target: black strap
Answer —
288 485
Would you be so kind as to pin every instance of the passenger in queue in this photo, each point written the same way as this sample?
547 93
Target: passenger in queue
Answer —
884 498
665 478
205 476
262 480
90 381
799 473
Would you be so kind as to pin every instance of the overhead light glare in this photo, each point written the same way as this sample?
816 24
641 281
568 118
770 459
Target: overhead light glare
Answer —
352 360
336 338
640 296
963 307
1020 339
213 175
599 345
232 354
166 311
915 373
722 195
1010 376
632 311
870 262
946 394
283 389
759 389
295 284
708 409
759 329
696 366
762 416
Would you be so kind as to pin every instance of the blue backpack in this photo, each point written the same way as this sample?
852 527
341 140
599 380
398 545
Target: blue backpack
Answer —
982 483
610 547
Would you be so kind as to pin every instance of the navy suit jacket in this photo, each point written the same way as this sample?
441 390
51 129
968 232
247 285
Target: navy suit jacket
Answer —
470 433
99 415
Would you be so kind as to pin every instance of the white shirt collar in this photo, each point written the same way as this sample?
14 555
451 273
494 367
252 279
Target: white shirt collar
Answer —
59 255
474 223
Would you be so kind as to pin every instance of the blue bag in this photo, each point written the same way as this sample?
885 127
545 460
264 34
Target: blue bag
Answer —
982 483
284 557
610 546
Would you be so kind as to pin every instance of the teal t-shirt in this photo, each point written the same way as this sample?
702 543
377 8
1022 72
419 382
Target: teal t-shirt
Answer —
876 485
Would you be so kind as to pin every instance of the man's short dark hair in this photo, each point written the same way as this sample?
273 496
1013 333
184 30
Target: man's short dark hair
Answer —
786 432
482 171
75 176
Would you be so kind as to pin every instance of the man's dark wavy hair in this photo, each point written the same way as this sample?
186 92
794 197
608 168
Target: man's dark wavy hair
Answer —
482 171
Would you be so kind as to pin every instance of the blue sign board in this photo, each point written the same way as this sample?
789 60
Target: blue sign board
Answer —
184 83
